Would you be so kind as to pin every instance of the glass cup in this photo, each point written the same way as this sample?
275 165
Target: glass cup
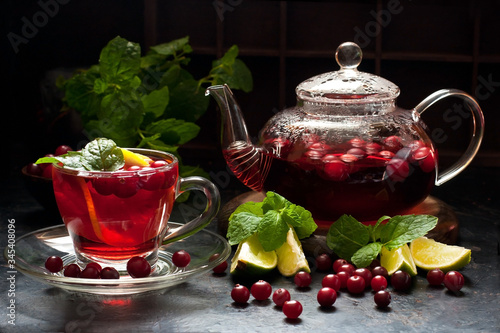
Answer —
112 216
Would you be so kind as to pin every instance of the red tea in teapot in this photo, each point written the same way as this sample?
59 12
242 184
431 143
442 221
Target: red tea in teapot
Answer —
363 179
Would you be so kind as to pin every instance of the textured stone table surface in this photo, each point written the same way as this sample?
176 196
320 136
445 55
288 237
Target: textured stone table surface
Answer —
204 304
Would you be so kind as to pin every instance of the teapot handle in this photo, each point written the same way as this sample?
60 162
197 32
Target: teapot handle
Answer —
477 135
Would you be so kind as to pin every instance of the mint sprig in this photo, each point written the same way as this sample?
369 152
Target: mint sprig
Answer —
271 220
98 155
361 244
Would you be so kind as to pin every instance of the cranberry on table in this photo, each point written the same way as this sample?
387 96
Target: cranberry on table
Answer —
453 281
365 273
338 263
382 298
435 277
343 277
109 273
261 290
378 282
138 267
323 262
292 309
280 296
240 294
302 279
326 296
72 270
401 281
331 281
90 272
221 268
380 270
54 264
356 284
348 268
181 258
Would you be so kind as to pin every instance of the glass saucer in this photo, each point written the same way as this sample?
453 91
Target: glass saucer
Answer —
34 248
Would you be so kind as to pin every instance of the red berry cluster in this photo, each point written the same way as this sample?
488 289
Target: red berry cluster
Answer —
45 169
452 280
92 270
262 290
137 267
345 276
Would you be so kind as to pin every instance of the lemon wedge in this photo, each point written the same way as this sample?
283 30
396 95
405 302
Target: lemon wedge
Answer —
429 254
398 259
251 259
135 159
291 258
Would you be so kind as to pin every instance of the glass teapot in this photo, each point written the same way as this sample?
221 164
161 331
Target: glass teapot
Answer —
345 148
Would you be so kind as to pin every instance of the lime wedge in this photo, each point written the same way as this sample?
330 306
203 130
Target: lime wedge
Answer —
291 258
134 159
251 259
429 254
398 259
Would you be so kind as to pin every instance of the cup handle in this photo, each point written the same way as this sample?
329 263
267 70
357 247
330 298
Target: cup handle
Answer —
477 135
201 221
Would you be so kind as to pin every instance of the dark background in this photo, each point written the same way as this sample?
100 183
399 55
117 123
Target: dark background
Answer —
422 46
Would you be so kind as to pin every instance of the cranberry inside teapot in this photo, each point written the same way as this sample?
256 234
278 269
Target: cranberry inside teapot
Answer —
356 177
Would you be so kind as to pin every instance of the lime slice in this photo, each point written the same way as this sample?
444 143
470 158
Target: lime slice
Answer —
398 259
251 259
291 258
429 254
134 159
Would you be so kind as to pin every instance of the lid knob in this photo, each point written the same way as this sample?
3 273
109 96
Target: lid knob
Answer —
348 55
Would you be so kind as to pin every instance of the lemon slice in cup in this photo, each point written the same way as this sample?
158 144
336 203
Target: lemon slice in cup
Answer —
135 159
398 259
291 258
251 259
429 254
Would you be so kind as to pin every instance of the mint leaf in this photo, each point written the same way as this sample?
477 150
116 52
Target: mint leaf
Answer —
400 230
172 47
376 229
346 236
365 255
242 226
272 230
274 201
156 101
174 131
300 219
120 60
72 159
249 207
102 155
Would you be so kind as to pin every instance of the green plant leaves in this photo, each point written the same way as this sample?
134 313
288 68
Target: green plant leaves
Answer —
361 244
271 219
148 101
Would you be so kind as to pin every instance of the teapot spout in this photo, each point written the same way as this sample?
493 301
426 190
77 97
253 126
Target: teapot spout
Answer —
233 127
246 161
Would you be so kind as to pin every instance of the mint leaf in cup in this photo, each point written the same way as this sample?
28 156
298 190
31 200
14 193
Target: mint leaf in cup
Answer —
98 155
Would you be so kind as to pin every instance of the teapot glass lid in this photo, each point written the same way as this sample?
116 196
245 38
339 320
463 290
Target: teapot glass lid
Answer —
347 85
